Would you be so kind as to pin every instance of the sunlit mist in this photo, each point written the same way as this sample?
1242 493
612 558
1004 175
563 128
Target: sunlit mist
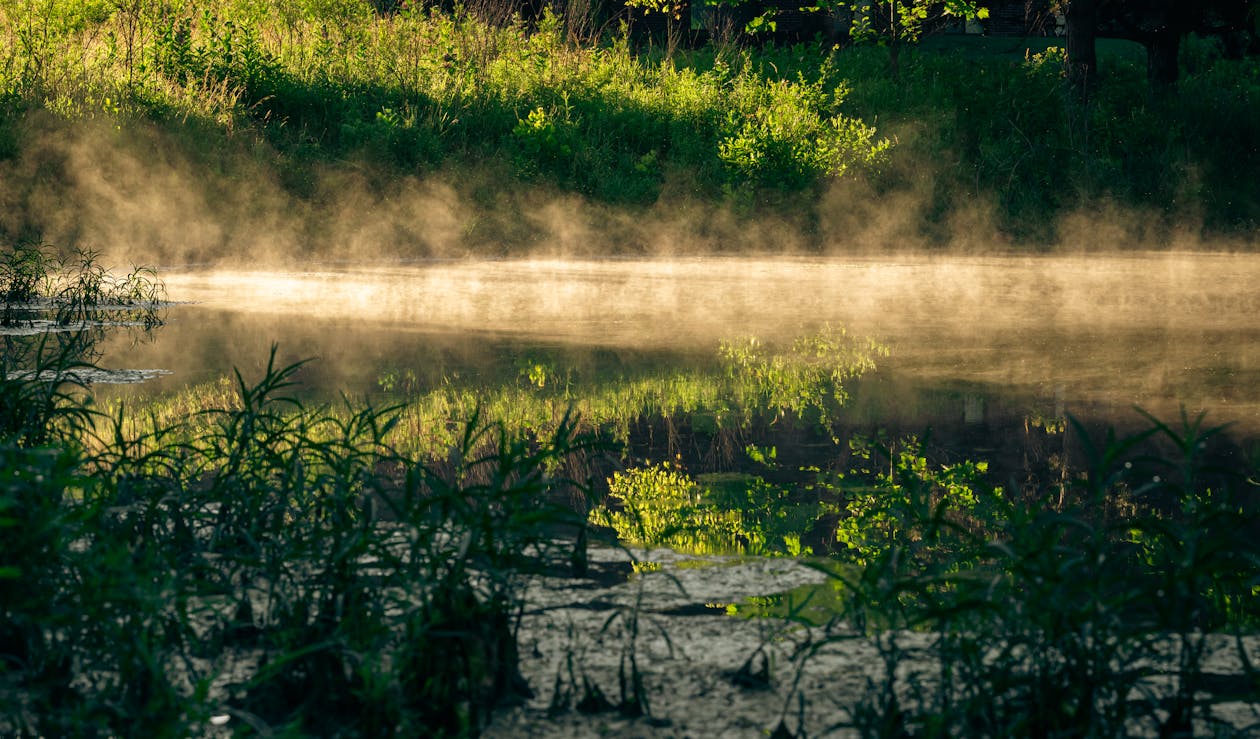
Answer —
1157 330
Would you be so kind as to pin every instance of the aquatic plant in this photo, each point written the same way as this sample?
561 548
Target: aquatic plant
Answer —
807 380
41 388
282 567
39 281
929 512
1085 614
662 506
754 384
24 273
64 305
277 565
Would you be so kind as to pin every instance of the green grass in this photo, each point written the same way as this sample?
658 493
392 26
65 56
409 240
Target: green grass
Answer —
338 583
1010 139
414 89
1111 52
1060 608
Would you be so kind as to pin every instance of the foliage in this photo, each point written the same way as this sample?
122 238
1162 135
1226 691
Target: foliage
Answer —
1005 132
781 134
1085 611
904 21
38 282
807 380
895 23
751 383
40 388
413 88
294 88
24 275
291 568
661 506
928 512
280 566
53 309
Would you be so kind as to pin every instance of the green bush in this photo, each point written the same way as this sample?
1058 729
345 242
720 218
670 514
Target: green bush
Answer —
413 88
662 506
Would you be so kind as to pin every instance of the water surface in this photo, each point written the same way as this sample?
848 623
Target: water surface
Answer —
973 340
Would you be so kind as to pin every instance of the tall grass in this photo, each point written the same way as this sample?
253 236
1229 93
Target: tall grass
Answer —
55 311
1087 608
40 283
1008 136
281 568
751 384
284 568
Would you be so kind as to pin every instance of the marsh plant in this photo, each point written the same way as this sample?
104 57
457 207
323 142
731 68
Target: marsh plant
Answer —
275 565
285 569
56 310
750 384
280 568
662 505
40 284
1084 611
1116 601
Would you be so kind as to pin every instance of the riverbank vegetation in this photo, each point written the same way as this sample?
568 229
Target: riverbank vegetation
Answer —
257 564
245 129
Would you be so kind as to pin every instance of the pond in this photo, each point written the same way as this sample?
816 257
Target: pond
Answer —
988 356
977 345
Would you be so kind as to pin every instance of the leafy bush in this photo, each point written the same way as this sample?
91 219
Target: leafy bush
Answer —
783 134
807 380
661 506
414 88
932 514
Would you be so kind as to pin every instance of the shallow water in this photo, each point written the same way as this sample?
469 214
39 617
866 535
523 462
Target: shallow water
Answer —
971 339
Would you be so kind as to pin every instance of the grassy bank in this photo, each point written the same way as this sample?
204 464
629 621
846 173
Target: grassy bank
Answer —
251 129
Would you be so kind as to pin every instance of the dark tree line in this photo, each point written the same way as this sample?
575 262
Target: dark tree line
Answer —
1160 26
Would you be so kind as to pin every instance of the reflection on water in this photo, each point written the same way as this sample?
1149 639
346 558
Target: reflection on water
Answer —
971 338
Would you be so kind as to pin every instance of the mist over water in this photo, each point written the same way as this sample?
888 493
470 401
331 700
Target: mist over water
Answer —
1102 333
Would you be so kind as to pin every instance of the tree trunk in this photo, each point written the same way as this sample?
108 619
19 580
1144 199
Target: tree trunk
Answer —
894 41
1162 48
1082 27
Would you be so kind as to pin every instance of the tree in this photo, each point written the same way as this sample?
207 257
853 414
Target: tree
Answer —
895 23
1159 25
1082 31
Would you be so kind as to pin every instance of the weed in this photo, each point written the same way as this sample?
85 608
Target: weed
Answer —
294 567
1056 617
262 560
37 280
